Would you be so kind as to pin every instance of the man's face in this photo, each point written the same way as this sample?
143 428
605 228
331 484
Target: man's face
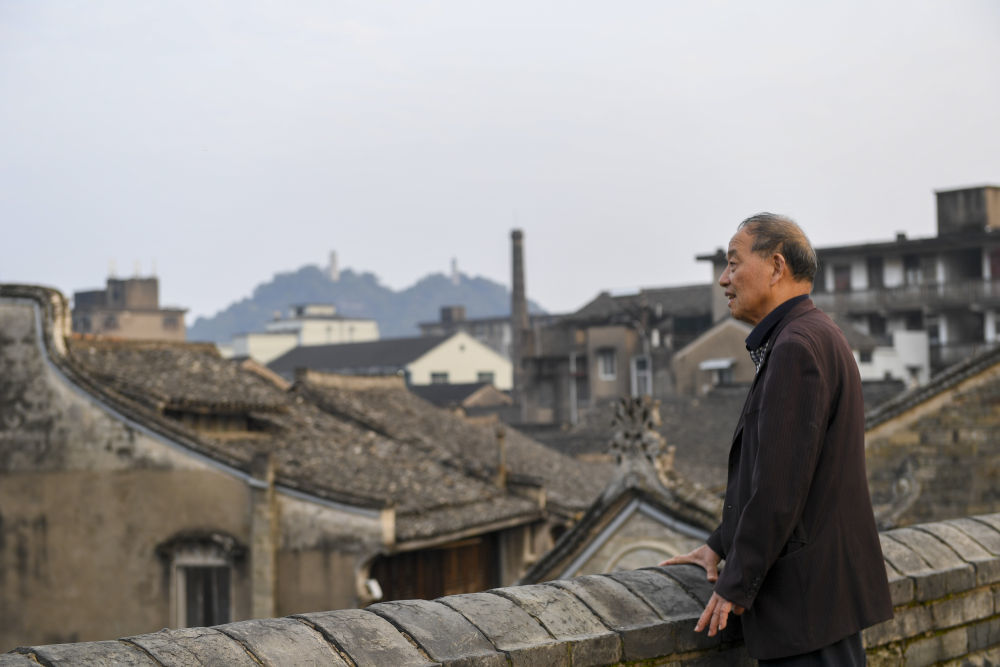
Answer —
747 280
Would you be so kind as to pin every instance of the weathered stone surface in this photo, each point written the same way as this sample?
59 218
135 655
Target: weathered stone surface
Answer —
935 572
692 579
640 627
17 660
283 641
510 628
983 532
901 587
442 632
984 634
681 611
985 564
961 609
907 622
570 621
901 557
936 648
368 639
189 646
989 519
98 654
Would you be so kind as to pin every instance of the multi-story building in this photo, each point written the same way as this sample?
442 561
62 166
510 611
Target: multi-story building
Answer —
127 308
305 324
612 347
947 285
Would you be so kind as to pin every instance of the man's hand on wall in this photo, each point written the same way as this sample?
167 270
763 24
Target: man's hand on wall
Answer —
703 557
716 614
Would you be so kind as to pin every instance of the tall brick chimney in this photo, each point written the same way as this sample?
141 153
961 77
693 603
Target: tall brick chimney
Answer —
518 313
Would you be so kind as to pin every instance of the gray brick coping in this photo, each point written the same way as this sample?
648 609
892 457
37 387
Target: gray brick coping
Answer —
944 579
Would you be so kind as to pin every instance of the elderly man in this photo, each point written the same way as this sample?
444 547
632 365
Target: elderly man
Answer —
803 564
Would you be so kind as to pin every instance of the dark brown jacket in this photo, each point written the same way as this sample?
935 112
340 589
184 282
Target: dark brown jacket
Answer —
798 534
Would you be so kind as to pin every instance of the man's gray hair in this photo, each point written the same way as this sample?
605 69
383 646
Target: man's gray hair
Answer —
773 233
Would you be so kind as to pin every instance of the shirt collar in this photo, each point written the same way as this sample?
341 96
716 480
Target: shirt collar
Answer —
758 337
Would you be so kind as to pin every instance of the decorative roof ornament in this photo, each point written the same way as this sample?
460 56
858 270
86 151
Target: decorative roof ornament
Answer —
640 451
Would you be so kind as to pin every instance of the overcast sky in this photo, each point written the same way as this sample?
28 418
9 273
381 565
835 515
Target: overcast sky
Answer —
222 141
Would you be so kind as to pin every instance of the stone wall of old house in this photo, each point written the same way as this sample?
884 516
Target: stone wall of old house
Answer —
944 577
941 458
89 499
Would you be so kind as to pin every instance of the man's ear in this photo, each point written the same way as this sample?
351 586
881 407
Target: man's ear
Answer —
778 267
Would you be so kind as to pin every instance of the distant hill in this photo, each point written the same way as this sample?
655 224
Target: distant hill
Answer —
357 295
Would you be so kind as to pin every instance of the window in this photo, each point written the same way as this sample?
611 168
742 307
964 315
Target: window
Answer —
110 322
866 356
171 323
485 376
607 364
911 269
876 273
642 377
439 378
842 278
206 595
201 578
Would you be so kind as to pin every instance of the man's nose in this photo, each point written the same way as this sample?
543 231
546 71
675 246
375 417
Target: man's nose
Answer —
724 278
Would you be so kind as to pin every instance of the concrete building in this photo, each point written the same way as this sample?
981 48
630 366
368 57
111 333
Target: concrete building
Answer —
305 324
454 359
613 346
151 484
127 308
947 285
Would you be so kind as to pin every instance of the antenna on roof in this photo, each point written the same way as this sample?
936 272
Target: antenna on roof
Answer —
454 271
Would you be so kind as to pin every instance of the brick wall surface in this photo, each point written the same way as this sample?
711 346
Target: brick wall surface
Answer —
945 580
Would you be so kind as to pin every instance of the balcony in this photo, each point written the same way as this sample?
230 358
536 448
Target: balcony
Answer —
911 297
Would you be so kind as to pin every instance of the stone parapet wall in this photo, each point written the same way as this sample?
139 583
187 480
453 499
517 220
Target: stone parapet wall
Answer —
945 580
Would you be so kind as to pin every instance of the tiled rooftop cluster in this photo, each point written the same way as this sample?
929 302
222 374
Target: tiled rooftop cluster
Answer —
374 447
945 581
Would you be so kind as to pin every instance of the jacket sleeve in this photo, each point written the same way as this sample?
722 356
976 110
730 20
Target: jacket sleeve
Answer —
789 430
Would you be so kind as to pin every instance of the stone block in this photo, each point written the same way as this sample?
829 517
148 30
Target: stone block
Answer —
984 634
98 654
961 609
992 520
192 646
907 622
983 532
902 558
510 628
909 550
985 564
675 606
21 660
641 629
692 579
283 641
937 554
442 632
901 588
366 638
936 648
568 620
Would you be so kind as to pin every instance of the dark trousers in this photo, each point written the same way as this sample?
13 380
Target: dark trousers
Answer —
848 652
